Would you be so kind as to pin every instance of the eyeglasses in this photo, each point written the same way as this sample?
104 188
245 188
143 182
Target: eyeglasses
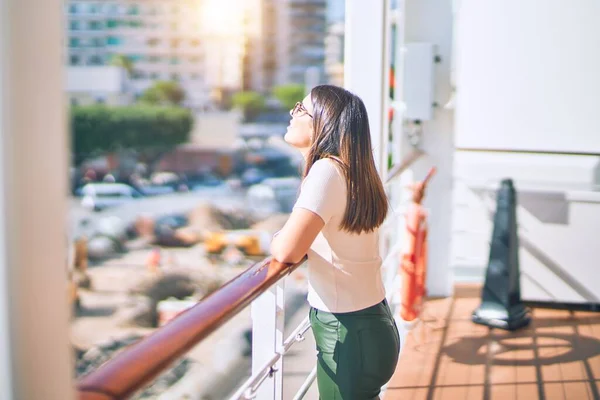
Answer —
299 108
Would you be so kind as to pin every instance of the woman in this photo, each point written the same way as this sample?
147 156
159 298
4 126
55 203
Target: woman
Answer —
335 222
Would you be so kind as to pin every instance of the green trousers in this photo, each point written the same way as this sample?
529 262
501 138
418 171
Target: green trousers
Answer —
357 352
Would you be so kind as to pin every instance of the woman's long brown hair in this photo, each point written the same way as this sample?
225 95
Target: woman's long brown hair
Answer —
341 133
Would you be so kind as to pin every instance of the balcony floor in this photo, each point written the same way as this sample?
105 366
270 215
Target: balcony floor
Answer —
449 357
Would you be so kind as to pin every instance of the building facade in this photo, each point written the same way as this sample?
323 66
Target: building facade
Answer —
164 40
334 54
108 85
286 39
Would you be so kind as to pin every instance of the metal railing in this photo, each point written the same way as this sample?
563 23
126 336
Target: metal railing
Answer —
251 387
263 287
135 367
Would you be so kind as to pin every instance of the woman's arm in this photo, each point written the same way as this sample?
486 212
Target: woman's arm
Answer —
292 242
322 195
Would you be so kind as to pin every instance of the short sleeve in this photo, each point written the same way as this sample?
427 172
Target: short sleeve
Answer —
323 191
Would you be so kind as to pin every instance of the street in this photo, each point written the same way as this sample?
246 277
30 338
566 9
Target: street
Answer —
83 221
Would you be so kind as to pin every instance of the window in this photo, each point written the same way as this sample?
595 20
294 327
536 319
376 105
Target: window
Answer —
135 57
83 42
153 59
174 26
100 100
74 60
97 42
155 76
195 42
95 25
73 8
95 60
113 40
194 77
195 60
153 42
73 42
111 9
175 60
315 28
175 77
112 23
133 10
175 43
74 25
74 102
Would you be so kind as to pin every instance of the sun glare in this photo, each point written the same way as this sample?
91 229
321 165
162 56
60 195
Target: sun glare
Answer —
222 17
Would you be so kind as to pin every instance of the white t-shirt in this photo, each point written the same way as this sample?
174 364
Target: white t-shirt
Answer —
344 269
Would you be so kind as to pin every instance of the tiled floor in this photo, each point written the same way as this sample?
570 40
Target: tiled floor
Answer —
449 357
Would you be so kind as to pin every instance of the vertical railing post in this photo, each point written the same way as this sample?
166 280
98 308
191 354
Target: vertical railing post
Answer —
267 337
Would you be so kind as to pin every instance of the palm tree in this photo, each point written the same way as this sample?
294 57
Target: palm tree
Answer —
121 60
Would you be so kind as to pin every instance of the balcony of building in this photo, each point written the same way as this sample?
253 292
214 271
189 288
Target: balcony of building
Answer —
482 91
450 357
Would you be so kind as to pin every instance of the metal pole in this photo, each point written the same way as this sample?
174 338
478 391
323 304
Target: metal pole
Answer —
267 339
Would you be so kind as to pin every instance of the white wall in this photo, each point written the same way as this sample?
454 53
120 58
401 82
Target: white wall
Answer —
527 75
559 223
103 79
527 80
430 21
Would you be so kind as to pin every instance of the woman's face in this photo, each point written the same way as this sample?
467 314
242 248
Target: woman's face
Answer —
300 131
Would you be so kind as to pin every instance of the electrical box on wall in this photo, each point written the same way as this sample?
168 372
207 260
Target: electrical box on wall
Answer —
418 81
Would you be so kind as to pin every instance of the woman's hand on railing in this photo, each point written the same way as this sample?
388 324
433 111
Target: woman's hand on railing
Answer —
292 242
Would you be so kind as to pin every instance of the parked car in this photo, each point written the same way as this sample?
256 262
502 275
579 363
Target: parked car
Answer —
273 195
156 190
202 180
98 196
254 176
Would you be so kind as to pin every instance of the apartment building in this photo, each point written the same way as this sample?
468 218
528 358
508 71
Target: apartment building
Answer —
286 39
165 40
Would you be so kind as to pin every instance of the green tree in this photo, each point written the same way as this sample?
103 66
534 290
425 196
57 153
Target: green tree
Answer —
251 103
289 95
121 60
150 130
164 93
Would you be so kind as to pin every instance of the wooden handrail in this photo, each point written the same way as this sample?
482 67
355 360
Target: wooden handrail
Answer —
139 364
